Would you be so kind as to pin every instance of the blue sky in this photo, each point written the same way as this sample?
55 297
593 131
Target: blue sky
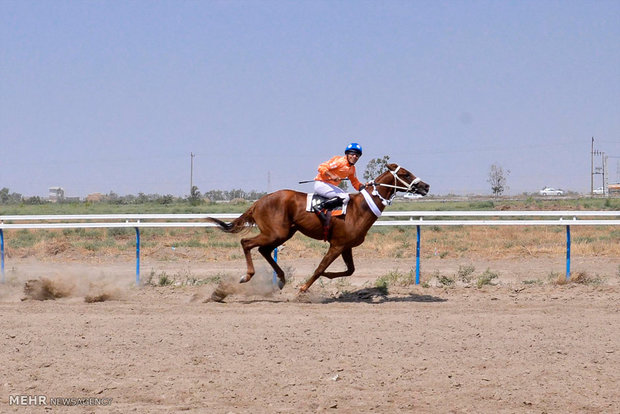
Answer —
99 96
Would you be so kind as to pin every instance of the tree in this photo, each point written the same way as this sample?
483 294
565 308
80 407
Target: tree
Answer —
497 179
375 167
9 198
194 197
4 196
166 199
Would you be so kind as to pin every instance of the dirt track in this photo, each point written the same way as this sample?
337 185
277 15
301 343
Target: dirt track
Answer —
513 347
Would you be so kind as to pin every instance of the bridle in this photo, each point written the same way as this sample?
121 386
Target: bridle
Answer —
407 187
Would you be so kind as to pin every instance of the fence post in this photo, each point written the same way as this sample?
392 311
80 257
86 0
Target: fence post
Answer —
567 253
275 259
137 256
2 253
417 258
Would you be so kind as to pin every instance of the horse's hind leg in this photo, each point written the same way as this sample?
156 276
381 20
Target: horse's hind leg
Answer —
266 252
265 245
248 245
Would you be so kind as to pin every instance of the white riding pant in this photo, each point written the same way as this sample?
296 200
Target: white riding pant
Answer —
330 191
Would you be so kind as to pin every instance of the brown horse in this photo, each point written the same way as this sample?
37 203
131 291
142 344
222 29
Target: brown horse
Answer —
280 214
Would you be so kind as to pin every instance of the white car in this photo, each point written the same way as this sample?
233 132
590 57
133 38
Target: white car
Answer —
600 190
547 191
411 196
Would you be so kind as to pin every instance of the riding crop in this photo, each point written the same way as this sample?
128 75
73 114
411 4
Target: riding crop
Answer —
311 181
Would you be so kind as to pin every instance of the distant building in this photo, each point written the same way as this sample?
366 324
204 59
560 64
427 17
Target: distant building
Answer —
56 194
95 197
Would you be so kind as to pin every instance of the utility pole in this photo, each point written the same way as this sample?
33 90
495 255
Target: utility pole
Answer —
597 170
605 174
191 173
268 181
592 168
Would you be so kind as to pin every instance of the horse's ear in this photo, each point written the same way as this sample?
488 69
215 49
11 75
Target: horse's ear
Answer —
392 167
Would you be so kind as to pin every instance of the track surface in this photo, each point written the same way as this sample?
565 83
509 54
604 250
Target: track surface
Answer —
513 347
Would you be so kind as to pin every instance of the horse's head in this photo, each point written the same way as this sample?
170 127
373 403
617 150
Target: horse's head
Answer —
401 179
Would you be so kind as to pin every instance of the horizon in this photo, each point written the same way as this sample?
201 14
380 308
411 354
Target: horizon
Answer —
114 96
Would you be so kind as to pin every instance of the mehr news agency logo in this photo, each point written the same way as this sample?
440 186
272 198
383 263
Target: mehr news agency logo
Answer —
44 400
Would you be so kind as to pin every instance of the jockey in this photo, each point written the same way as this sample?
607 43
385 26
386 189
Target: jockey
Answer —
333 171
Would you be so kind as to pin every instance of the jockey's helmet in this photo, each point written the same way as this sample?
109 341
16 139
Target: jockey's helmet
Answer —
354 147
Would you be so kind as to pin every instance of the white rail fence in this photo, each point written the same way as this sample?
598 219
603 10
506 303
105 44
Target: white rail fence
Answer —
395 218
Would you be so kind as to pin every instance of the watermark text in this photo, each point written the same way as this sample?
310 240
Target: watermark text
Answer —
44 400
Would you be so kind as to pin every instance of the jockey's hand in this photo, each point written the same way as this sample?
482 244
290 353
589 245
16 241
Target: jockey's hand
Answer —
333 176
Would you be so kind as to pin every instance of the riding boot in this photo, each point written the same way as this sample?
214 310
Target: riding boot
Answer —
331 203
323 215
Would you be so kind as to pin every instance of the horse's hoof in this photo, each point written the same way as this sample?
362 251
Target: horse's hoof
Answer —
280 284
244 279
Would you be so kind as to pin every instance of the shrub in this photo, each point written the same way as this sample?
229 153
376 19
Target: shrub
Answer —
486 278
445 280
395 278
464 273
164 280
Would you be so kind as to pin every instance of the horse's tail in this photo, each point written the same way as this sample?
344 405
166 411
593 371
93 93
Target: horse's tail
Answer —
237 225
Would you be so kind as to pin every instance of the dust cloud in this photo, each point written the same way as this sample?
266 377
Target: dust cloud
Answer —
60 283
261 285
70 286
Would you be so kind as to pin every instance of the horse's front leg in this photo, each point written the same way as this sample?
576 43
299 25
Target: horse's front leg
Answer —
330 256
347 256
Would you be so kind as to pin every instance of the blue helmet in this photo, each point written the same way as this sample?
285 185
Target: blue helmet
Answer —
353 147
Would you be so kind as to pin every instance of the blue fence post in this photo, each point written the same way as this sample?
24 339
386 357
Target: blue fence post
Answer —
567 253
417 258
137 256
275 259
2 253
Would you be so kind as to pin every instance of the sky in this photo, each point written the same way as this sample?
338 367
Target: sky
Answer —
100 96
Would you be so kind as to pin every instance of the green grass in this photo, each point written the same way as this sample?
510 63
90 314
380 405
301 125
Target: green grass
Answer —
25 238
395 278
428 204
110 208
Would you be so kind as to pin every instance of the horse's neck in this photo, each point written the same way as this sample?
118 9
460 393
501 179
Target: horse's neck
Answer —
386 192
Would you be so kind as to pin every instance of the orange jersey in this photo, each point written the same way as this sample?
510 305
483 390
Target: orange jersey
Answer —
338 165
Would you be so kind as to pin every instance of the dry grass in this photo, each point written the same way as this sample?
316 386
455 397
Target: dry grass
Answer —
581 278
497 242
209 244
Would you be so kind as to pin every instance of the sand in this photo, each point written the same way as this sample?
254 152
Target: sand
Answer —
524 344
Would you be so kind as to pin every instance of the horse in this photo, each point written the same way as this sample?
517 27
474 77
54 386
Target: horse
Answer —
279 215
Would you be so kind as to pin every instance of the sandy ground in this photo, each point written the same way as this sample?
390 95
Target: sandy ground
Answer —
524 344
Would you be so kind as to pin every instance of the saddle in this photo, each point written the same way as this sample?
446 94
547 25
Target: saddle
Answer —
325 209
